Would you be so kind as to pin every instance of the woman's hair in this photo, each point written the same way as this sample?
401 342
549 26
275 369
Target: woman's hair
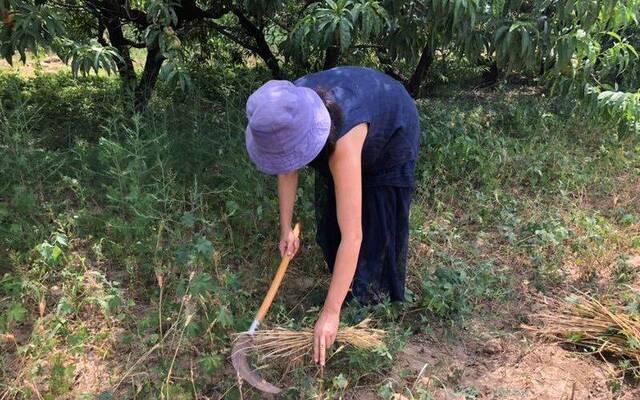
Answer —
335 113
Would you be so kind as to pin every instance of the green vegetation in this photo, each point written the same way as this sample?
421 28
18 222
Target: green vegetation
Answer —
579 48
136 237
133 246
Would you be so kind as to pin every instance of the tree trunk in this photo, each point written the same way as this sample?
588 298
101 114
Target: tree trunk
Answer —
426 59
491 76
125 66
395 74
262 47
149 77
387 66
331 56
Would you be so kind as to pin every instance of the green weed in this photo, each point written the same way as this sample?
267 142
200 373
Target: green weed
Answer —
150 239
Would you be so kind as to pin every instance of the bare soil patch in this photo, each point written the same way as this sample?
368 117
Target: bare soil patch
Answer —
510 368
47 65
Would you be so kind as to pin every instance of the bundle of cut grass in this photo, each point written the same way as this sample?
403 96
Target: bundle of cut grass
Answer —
273 344
584 321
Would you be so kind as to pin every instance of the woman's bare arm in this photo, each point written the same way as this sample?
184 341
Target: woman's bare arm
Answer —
287 188
345 165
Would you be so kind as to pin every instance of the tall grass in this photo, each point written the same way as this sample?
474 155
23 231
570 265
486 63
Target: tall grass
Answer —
147 240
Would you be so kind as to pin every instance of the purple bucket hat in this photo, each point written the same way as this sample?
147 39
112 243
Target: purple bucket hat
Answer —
288 127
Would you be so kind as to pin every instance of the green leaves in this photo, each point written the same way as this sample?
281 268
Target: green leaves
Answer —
334 23
224 317
211 362
516 45
173 70
175 75
39 25
338 23
202 284
61 376
84 58
371 18
615 99
162 12
435 24
16 314
345 34
34 25
204 247
584 49
51 251
570 44
623 107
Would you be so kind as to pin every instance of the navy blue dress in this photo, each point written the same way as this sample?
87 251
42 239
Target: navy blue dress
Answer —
390 150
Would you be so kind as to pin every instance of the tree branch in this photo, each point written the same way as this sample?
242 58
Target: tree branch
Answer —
388 68
148 78
331 56
188 10
137 16
121 44
307 3
426 59
137 45
262 47
101 30
225 31
67 5
367 46
120 11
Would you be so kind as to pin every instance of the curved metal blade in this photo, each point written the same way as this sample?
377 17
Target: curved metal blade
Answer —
240 363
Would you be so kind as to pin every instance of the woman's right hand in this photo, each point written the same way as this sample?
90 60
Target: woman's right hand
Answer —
289 244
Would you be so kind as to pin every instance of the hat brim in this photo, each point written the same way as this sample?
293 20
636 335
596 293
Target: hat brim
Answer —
308 148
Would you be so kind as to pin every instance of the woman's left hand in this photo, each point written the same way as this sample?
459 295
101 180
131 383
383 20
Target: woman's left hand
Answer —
324 334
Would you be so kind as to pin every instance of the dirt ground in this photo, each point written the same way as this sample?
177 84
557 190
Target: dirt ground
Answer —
48 64
500 360
510 368
508 363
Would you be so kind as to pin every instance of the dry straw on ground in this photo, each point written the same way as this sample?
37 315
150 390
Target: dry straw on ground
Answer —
584 321
274 344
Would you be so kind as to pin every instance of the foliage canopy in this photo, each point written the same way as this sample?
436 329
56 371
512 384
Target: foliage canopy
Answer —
584 48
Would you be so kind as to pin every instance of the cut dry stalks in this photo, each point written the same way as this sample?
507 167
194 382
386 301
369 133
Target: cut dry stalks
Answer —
584 321
284 344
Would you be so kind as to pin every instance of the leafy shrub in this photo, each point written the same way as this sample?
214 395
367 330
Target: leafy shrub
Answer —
452 292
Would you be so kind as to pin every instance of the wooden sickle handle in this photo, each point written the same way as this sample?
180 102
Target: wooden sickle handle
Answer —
275 284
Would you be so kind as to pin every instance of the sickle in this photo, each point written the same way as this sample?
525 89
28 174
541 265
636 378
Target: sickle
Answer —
243 342
244 370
